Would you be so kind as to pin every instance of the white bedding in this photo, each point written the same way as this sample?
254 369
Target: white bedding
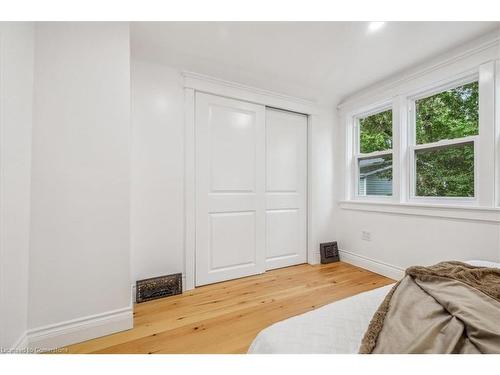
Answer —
335 328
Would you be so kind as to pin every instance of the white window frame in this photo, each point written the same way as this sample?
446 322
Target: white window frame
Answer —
413 147
357 155
402 103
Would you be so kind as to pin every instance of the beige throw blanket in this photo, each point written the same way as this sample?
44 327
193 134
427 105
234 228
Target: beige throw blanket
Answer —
451 307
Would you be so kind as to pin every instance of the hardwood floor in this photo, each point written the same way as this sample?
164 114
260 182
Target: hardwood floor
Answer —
226 317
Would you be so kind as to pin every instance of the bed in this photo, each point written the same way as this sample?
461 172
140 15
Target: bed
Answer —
337 328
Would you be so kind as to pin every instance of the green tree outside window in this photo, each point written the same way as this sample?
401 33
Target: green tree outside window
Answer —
449 171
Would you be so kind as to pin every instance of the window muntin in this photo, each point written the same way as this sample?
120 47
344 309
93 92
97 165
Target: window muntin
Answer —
374 154
450 114
446 125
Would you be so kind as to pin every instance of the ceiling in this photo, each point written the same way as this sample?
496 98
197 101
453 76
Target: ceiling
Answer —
321 61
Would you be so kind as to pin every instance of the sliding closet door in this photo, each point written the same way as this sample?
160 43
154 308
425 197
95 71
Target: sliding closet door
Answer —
286 188
230 189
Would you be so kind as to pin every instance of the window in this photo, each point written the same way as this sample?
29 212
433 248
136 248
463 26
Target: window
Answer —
423 142
374 154
446 126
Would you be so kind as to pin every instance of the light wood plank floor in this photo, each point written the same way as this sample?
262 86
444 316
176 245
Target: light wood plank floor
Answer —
226 317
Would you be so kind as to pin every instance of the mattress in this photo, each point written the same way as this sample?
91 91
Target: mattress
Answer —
337 328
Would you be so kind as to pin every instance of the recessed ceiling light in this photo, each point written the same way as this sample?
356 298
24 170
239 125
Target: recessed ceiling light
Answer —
375 26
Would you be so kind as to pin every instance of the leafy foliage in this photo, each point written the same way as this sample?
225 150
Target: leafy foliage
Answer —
376 132
448 115
376 135
446 172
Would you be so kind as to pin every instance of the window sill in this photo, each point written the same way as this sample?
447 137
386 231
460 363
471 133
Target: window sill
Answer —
468 213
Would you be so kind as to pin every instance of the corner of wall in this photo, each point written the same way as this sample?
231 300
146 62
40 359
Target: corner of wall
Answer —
16 93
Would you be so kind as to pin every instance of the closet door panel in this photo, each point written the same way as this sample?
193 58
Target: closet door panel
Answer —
226 230
286 188
233 134
230 189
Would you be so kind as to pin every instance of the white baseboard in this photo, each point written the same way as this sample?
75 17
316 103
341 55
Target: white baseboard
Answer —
388 270
81 329
21 344
78 330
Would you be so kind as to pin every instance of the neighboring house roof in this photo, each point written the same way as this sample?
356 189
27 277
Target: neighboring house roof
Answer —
362 175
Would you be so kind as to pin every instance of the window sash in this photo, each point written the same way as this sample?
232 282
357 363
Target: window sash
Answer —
357 158
413 147
444 144
374 154
357 155
357 127
448 85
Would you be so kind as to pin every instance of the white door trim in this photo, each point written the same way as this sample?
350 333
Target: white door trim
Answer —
215 86
198 83
189 189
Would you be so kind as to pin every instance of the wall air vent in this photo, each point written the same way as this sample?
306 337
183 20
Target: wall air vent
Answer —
329 252
158 287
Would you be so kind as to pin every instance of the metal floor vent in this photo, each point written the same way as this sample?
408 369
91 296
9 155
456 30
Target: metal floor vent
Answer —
329 252
158 287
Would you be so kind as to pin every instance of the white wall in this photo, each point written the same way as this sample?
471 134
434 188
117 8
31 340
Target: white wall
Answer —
80 245
16 92
157 170
403 241
83 147
322 175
